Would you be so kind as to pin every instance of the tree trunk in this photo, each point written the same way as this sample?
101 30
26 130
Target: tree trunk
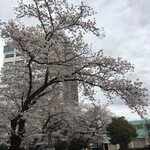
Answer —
18 129
15 142
124 146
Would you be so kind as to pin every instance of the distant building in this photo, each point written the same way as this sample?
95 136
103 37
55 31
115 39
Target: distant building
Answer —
143 130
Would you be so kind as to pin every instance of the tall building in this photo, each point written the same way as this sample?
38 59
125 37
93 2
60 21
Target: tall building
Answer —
10 55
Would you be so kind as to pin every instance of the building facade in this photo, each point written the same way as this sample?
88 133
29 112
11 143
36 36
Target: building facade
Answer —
11 56
143 131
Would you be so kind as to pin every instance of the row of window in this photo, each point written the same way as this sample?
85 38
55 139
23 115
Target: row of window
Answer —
9 55
144 126
12 55
7 48
16 62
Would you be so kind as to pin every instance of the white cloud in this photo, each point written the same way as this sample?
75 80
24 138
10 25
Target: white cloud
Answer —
6 7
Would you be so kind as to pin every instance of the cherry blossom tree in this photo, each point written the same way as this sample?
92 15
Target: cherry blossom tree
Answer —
65 122
55 53
79 122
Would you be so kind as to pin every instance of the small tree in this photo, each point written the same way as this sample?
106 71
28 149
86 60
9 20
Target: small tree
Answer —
121 132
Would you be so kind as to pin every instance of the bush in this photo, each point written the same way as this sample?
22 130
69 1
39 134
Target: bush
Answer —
61 145
77 144
3 147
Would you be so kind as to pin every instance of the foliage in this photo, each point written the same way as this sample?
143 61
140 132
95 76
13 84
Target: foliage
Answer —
61 145
3 147
120 131
54 55
77 144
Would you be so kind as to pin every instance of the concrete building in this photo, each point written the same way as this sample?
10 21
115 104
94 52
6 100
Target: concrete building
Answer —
10 55
143 130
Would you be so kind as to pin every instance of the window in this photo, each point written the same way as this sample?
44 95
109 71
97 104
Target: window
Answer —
8 63
18 54
139 127
19 62
147 126
9 55
8 49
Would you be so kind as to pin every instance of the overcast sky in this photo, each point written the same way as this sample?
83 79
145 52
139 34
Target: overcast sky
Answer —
127 27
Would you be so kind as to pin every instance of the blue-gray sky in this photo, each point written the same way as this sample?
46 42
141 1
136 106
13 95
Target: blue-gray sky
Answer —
127 27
